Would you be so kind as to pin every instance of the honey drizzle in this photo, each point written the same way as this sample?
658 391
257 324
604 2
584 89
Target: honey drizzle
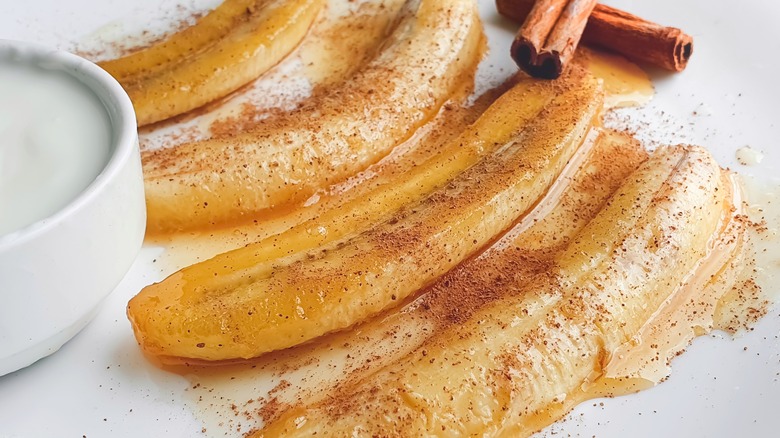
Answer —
625 84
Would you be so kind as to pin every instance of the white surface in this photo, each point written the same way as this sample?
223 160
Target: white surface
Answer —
100 385
54 272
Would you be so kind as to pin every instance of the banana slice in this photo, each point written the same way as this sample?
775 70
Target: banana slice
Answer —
228 48
521 361
498 125
314 369
245 314
185 43
432 52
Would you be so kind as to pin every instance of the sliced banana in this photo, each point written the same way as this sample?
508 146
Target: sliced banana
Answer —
521 361
244 308
227 49
432 52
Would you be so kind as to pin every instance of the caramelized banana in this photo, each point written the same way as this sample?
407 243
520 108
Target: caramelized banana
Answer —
187 42
228 48
314 369
525 359
431 53
497 126
245 314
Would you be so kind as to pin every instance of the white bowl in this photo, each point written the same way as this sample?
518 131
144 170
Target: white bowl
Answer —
55 272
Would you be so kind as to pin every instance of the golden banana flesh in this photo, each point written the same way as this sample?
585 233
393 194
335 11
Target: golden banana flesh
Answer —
348 206
228 48
522 360
314 369
245 303
498 125
190 40
432 51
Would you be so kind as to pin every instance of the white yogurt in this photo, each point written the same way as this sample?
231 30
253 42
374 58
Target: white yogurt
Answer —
55 138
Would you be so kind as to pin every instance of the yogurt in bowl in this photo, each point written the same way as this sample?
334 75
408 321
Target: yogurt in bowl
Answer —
72 212
55 138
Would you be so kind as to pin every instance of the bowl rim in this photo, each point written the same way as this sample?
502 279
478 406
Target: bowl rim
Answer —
116 102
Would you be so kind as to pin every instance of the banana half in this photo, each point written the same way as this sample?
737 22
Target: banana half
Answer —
313 370
519 362
248 302
225 50
432 52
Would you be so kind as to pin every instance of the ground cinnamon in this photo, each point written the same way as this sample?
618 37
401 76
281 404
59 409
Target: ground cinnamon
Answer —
631 36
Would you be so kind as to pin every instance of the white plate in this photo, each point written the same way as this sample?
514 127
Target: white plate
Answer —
100 385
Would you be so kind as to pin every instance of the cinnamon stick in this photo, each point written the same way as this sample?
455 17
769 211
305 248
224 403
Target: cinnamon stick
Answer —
533 33
550 34
564 38
635 38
